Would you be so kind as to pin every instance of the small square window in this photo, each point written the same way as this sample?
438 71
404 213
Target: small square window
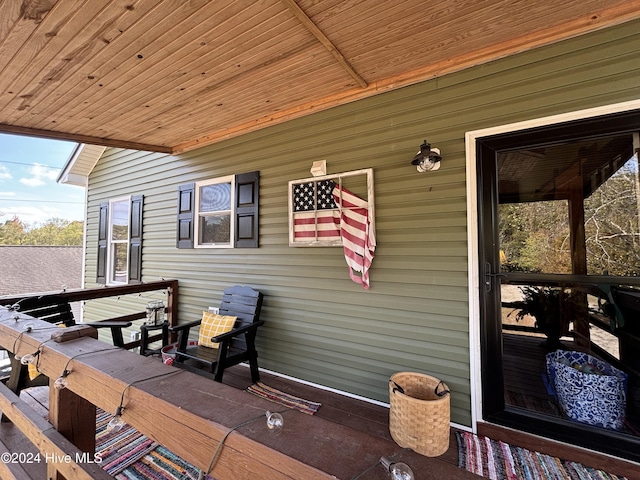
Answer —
214 225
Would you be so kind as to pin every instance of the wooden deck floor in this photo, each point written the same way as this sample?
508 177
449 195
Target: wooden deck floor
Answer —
523 367
368 424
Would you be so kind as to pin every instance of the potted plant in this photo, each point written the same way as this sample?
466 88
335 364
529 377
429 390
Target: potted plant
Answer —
546 305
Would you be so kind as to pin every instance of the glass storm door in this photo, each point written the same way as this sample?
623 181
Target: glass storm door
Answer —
558 211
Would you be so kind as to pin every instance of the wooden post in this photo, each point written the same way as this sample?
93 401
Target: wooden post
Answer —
172 308
579 262
75 418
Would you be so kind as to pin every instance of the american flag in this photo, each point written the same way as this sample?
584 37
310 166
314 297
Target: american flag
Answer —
358 237
316 215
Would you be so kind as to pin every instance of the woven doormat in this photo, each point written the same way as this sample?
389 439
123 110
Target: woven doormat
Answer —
282 398
130 455
118 450
499 461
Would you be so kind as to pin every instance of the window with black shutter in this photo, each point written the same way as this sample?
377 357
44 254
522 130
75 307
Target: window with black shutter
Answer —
119 258
219 213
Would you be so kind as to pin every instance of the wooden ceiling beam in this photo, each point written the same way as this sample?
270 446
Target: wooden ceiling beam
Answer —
71 137
322 38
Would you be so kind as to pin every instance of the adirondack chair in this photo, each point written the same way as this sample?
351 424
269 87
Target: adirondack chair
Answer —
235 346
56 311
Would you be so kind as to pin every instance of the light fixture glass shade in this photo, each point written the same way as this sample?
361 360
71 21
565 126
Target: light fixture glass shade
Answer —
427 158
27 359
115 424
397 470
275 422
401 471
61 382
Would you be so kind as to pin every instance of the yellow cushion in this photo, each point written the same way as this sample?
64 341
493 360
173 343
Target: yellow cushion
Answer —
212 325
33 371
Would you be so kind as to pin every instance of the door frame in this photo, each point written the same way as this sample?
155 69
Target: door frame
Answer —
475 281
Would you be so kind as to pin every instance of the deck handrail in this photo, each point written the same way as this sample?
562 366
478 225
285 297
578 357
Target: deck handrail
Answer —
187 414
82 294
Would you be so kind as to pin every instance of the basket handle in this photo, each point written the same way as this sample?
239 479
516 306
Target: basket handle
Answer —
397 388
444 391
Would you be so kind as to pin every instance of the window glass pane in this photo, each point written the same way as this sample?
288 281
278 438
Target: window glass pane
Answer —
534 237
215 229
589 183
215 198
120 220
119 262
611 223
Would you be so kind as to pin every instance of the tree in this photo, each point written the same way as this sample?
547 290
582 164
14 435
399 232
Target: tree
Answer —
54 231
13 232
534 237
611 225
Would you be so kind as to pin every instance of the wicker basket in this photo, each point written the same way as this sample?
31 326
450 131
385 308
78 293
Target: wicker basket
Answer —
419 414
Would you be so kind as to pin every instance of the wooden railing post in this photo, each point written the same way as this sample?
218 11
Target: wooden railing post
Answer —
172 308
74 417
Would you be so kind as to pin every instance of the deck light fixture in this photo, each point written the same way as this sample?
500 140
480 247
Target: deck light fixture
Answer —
427 159
62 382
397 470
275 422
28 358
116 423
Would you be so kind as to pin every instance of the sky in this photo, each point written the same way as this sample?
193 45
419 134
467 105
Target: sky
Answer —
28 189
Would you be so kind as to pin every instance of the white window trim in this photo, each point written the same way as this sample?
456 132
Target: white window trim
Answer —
232 227
110 242
474 280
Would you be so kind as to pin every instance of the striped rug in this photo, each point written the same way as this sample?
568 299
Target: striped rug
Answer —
282 398
500 461
130 455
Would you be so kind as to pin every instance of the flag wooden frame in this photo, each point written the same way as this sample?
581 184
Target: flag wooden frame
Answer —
359 182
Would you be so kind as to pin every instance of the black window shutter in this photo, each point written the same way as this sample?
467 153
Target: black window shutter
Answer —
186 212
135 240
103 232
247 194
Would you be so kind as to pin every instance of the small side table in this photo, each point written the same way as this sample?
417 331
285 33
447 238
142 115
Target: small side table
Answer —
144 338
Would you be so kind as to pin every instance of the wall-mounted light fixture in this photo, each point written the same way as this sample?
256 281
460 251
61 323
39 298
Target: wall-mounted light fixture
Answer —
427 158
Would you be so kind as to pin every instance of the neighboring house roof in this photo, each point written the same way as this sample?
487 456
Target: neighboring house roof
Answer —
36 269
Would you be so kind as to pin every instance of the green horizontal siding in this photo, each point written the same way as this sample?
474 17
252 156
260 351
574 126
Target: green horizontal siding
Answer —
320 326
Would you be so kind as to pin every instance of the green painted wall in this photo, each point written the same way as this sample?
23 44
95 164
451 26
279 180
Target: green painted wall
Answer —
320 326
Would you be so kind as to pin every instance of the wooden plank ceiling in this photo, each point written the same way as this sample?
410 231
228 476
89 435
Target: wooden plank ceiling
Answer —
173 75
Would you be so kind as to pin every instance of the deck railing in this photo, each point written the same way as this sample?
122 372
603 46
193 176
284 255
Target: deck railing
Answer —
55 307
192 416
622 296
188 414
